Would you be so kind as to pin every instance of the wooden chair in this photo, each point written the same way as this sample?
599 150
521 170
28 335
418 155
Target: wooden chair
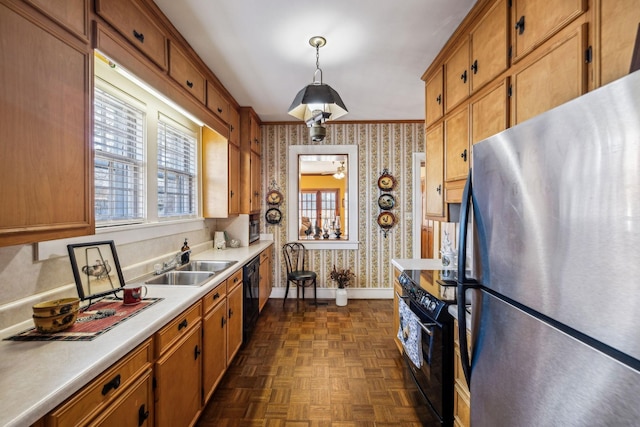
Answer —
295 256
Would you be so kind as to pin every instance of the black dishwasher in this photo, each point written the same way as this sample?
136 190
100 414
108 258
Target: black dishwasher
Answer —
251 284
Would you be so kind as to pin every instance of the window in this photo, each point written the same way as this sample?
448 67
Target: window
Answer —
119 159
176 171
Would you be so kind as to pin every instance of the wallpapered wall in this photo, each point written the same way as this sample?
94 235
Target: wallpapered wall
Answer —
380 146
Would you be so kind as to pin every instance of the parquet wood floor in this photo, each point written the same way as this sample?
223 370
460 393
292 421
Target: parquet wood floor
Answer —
308 366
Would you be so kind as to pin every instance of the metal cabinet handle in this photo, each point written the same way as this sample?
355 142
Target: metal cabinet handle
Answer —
439 99
143 414
464 155
182 324
139 36
520 25
196 352
111 385
425 327
439 189
463 76
222 321
216 296
190 84
474 67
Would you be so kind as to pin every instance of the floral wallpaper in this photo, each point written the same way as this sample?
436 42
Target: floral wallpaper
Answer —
380 146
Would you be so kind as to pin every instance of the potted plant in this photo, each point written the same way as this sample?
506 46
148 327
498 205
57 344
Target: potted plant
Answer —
343 278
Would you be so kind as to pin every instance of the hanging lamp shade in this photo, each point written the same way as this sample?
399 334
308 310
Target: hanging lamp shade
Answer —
318 101
317 96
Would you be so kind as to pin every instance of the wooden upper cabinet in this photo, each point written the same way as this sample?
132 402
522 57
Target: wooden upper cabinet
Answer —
186 73
456 76
137 26
490 112
619 22
71 14
434 101
558 76
217 103
46 153
489 41
535 21
434 149
456 144
234 126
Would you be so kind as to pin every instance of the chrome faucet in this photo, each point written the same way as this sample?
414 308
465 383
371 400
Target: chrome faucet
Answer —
173 263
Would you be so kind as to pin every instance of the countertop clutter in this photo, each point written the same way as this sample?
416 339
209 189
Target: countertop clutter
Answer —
36 376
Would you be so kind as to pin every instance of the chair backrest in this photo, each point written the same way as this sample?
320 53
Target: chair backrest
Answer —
295 256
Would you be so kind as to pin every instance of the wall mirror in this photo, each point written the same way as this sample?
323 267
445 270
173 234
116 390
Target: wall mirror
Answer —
324 215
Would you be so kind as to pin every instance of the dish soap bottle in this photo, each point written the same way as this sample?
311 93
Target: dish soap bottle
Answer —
185 254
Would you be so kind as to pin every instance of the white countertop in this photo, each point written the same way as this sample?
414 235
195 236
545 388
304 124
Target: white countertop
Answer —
36 376
420 264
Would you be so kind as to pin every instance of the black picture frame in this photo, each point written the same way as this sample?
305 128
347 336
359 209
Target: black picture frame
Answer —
96 269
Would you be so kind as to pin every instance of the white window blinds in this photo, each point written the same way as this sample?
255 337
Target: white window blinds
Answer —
119 159
176 170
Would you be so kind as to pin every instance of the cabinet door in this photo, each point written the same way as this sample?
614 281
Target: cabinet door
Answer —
46 156
234 179
553 79
433 97
534 21
217 103
234 126
456 145
435 171
137 26
396 309
133 408
265 277
256 194
182 70
456 74
489 45
178 382
619 21
234 328
489 112
214 348
256 137
72 14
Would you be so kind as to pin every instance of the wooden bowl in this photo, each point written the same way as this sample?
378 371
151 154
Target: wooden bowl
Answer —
56 307
57 323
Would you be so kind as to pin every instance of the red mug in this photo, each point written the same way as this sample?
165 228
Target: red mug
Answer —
133 293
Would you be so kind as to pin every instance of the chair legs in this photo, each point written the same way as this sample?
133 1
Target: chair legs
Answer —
298 286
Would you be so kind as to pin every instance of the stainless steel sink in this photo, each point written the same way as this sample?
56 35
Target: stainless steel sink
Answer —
214 266
181 278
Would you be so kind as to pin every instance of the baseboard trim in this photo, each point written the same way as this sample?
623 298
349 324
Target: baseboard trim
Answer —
330 293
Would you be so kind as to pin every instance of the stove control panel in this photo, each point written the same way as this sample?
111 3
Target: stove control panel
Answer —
427 302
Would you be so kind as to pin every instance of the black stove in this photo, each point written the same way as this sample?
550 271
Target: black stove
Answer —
431 290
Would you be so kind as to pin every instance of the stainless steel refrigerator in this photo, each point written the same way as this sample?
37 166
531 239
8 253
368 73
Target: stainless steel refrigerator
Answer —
554 205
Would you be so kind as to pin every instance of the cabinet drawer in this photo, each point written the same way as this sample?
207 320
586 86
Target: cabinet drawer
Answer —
265 255
214 297
217 103
178 328
182 70
92 400
137 26
234 280
72 14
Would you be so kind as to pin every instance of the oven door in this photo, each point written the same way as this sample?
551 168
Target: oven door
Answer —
435 376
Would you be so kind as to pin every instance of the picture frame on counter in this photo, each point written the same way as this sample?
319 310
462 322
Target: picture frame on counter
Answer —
96 269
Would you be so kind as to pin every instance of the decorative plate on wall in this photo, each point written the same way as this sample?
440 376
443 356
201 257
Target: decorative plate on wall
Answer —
386 182
273 216
386 220
274 198
386 201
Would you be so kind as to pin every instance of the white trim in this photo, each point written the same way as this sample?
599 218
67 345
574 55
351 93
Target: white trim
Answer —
294 176
330 293
417 204
121 235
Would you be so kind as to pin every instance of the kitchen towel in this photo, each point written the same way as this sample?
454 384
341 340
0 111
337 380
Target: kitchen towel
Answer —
409 333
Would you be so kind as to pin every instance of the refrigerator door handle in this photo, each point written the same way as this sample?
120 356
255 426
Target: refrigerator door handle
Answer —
463 283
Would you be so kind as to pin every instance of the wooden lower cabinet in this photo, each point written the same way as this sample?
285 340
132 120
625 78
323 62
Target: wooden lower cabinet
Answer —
265 276
234 314
178 370
461 393
214 339
117 397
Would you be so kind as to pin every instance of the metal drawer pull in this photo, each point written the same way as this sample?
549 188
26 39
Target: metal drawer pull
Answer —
190 84
183 324
139 36
143 414
111 385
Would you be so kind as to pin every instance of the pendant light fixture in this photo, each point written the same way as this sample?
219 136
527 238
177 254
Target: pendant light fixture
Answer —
317 102
340 172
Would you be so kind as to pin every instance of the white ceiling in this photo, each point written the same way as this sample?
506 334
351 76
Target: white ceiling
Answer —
376 50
